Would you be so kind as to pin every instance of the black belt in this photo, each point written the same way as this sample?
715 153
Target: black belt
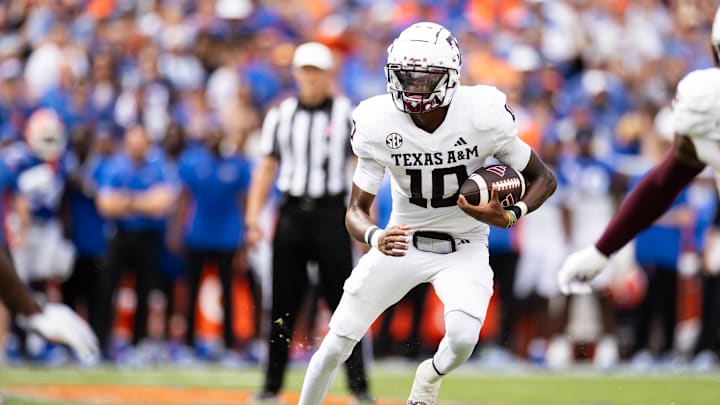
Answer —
434 242
310 204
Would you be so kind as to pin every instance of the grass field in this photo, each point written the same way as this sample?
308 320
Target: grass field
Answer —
25 385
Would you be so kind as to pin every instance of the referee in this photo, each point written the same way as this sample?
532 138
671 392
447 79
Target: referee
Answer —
305 141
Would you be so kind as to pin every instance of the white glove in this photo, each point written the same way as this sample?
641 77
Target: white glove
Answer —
579 268
58 323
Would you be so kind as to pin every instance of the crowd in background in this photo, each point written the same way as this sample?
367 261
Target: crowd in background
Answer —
590 83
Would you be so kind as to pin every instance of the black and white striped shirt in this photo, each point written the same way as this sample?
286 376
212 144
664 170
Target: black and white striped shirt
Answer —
312 146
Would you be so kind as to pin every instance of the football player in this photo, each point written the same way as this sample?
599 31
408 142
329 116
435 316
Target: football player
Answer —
40 251
55 322
430 133
697 144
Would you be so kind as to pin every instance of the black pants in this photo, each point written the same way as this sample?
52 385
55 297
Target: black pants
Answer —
504 266
81 287
304 235
660 299
710 328
138 251
195 260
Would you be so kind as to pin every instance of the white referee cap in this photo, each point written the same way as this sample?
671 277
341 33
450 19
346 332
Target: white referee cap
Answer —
313 54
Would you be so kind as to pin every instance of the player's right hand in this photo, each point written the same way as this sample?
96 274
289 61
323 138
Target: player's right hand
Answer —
579 269
395 240
58 323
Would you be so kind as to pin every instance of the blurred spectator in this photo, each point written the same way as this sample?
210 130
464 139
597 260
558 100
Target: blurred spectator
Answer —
215 183
88 158
706 353
535 283
175 63
593 190
104 89
504 249
146 97
136 194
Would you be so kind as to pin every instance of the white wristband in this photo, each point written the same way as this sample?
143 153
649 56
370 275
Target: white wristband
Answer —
375 237
369 232
523 208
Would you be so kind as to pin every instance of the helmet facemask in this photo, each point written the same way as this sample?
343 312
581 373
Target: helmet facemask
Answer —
418 90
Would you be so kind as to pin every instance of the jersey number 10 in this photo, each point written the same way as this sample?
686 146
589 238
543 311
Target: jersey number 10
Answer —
438 186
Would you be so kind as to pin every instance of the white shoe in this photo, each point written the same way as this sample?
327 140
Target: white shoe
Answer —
607 353
423 392
705 361
643 361
559 354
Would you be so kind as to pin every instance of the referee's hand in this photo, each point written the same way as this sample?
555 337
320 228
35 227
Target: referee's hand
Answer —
253 235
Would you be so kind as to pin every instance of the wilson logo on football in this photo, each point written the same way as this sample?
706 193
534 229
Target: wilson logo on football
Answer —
498 170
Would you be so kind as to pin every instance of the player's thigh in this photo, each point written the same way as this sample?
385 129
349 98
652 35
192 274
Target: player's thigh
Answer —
466 281
377 282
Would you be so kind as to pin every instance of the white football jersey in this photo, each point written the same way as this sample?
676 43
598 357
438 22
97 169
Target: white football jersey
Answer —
427 169
696 113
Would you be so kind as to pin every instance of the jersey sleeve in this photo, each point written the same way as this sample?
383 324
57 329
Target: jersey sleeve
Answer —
369 175
360 132
509 148
369 172
696 105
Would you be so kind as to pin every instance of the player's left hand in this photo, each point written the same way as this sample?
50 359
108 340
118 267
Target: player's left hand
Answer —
58 323
579 269
491 213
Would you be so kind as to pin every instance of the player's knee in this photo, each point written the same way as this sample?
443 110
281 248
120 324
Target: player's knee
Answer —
462 332
336 349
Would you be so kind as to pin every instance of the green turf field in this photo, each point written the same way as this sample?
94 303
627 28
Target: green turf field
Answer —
464 388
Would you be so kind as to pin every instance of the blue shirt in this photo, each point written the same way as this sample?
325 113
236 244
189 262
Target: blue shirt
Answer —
501 240
659 245
215 185
383 202
87 227
123 175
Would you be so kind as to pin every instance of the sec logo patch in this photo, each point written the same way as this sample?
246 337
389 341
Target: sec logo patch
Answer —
394 140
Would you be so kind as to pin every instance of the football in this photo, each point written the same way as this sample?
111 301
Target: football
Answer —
510 183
